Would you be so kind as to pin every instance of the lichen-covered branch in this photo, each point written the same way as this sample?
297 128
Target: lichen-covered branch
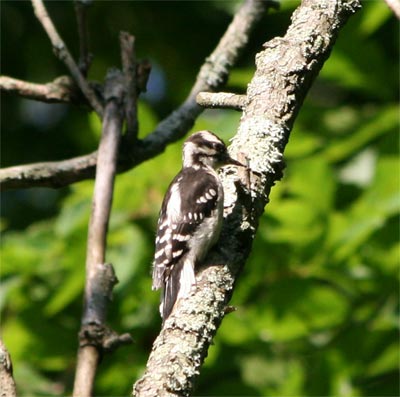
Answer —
211 77
7 383
221 100
285 69
100 277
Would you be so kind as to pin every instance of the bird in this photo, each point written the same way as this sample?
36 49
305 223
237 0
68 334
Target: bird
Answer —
190 218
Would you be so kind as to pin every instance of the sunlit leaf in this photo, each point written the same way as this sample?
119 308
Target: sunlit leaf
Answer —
380 123
376 13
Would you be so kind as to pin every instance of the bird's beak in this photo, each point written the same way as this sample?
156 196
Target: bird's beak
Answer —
230 160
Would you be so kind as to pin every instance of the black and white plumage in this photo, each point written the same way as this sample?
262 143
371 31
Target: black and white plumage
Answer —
190 218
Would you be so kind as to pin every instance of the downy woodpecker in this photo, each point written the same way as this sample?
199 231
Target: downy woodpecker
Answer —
190 218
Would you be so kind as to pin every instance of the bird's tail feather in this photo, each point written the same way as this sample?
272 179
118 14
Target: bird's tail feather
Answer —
177 286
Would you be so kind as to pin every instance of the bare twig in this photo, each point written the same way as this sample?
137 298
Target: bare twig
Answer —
221 100
62 52
211 77
100 277
284 73
394 5
63 89
85 57
7 383
128 57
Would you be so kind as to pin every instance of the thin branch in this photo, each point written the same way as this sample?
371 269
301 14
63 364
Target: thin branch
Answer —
49 174
100 277
61 90
394 5
62 52
284 72
221 100
127 43
7 383
211 77
85 57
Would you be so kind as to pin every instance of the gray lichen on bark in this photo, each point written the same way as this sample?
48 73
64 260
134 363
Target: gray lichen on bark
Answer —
7 383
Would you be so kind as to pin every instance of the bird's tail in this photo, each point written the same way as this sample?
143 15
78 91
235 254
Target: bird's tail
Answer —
177 286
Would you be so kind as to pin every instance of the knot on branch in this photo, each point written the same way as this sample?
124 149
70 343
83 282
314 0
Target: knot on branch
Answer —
102 337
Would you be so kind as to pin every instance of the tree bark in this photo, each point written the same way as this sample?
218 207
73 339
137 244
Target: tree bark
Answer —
7 383
285 70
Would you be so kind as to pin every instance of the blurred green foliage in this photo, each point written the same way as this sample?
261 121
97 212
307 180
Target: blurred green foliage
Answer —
318 299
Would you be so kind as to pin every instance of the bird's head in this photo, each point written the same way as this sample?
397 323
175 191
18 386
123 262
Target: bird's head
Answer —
204 148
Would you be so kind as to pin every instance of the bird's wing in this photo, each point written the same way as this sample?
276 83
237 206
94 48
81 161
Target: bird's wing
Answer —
181 213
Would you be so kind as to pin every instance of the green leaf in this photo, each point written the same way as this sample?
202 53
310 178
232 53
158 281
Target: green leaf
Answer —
7 286
313 180
295 307
127 250
295 222
67 291
147 119
32 382
95 125
381 122
376 13
243 326
74 215
365 216
361 71
301 144
388 360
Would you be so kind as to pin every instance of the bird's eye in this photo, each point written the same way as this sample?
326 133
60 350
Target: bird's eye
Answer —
218 147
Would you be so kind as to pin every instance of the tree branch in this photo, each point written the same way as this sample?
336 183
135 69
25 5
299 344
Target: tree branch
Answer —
100 277
127 43
61 51
211 77
62 89
7 383
284 73
221 100
85 57
51 174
